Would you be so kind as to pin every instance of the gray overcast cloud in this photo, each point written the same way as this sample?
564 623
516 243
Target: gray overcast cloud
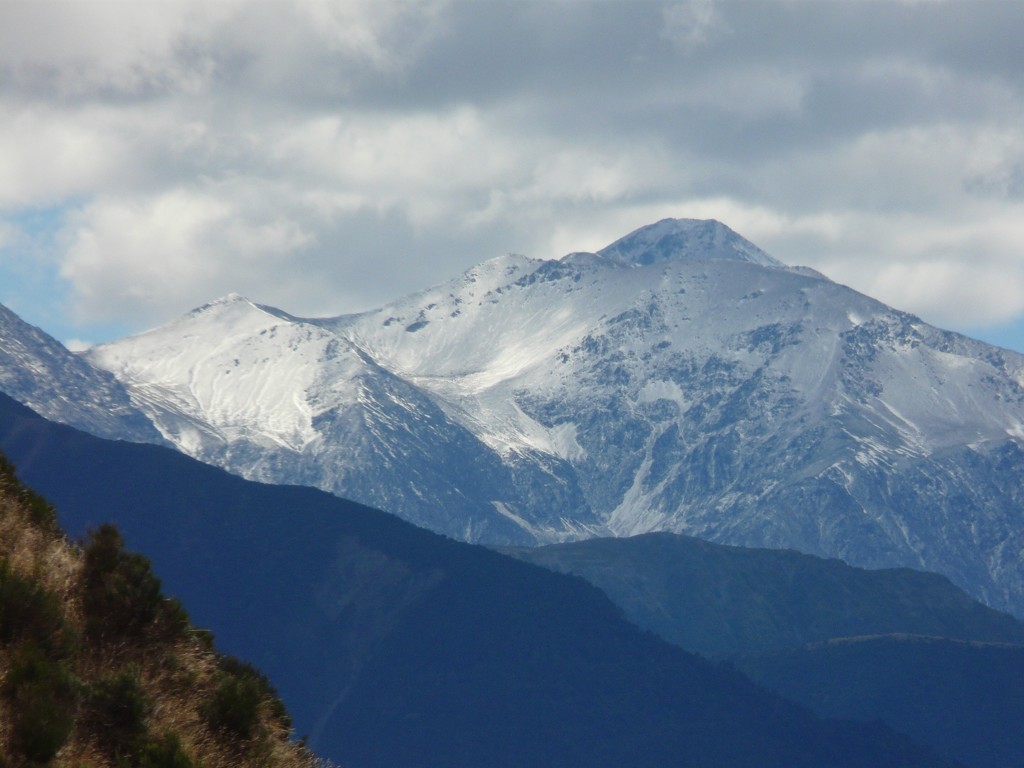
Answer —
325 156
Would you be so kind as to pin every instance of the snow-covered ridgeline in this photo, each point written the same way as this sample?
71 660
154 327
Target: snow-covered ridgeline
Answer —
679 379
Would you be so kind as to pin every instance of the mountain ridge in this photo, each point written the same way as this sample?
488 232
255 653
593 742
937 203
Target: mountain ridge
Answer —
898 645
722 600
965 699
38 370
699 389
668 238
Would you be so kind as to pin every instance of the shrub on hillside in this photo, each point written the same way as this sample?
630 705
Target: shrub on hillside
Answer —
122 597
243 670
44 697
115 710
41 512
30 613
234 707
165 752
131 633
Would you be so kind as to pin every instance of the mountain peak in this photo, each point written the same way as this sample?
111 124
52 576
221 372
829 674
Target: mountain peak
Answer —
687 239
235 302
228 300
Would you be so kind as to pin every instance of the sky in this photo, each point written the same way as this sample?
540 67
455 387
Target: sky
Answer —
327 156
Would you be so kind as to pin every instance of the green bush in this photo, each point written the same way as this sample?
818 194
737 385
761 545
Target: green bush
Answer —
172 619
42 726
41 512
246 671
122 597
165 752
30 613
234 706
44 697
116 711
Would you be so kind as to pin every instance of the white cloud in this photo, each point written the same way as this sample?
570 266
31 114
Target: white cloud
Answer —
947 293
325 155
71 47
144 256
692 24
748 95
371 30
964 270
77 345
74 49
383 156
45 159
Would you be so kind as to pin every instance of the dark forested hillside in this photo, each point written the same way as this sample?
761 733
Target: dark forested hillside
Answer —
965 699
717 599
901 646
394 646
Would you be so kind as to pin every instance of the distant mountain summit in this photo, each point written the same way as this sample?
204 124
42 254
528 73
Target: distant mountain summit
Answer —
685 239
678 380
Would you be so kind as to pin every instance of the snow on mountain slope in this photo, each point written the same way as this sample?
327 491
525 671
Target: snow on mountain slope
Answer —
224 365
680 379
42 373
672 239
554 328
280 399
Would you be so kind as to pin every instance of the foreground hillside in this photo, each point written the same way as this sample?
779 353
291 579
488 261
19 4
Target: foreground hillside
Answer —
393 646
98 668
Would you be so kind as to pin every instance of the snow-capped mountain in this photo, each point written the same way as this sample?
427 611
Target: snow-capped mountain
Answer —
282 399
42 373
680 379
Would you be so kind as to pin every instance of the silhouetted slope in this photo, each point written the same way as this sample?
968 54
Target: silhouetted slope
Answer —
964 699
393 646
719 599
